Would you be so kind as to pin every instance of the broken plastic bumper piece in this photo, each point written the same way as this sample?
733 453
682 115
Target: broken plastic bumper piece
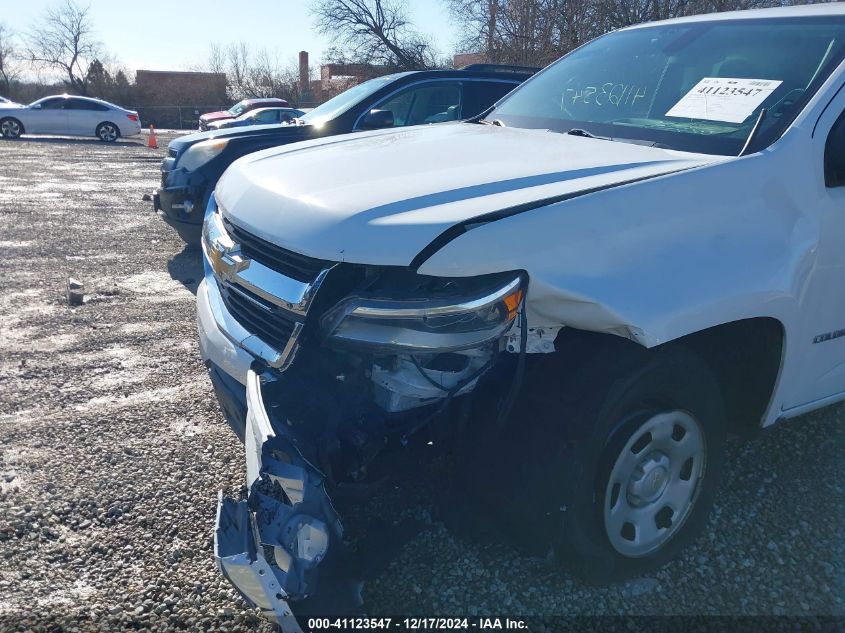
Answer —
272 545
248 571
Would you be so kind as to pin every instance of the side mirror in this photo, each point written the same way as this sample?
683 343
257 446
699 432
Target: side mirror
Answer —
377 120
37 106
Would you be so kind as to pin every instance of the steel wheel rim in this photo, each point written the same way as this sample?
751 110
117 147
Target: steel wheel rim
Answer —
108 133
654 483
10 128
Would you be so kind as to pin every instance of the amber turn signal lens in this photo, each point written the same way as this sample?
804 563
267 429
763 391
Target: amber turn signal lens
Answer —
512 302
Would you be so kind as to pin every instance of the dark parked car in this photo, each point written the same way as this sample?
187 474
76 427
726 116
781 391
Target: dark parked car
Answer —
195 162
241 107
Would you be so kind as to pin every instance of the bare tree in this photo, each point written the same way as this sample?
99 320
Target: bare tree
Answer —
237 67
477 20
374 32
9 69
577 22
64 40
253 72
269 77
216 59
526 32
615 14
535 32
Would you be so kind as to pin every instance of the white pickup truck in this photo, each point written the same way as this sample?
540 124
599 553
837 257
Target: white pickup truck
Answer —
637 251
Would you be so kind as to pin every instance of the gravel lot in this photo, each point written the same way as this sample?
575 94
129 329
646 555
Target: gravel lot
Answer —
112 448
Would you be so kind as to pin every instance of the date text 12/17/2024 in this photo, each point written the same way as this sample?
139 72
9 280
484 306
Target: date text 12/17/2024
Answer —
414 624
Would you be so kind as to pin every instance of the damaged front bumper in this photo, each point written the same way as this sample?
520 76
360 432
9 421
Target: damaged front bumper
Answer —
241 564
285 538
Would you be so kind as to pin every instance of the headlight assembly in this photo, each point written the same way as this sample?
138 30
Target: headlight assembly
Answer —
199 154
473 312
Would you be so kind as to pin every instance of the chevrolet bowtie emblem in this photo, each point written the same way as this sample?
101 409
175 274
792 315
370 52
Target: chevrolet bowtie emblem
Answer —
227 262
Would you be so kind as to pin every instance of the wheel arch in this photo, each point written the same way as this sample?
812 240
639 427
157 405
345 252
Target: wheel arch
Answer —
745 356
563 404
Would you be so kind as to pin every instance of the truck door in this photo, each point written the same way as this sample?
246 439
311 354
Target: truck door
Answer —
822 344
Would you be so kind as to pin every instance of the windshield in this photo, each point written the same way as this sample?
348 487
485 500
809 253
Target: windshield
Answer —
236 109
691 86
345 100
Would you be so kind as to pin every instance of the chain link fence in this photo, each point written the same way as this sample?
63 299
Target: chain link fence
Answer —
175 117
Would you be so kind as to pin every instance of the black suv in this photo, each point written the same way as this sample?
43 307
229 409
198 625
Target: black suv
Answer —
195 162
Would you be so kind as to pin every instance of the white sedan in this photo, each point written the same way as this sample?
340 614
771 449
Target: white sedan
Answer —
261 116
69 115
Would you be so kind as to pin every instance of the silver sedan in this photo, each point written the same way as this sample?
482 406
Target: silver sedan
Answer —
69 115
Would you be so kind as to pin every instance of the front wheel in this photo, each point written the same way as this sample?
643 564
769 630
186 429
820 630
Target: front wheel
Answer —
107 132
654 483
10 128
648 476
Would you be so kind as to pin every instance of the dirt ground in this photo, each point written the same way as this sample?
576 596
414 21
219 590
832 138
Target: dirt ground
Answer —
112 448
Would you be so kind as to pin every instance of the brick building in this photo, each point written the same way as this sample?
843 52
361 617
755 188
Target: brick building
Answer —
461 60
175 99
178 88
334 79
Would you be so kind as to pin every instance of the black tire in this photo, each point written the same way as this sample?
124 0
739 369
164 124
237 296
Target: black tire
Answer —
671 380
107 132
11 128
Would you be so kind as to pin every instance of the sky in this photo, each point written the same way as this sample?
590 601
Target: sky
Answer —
176 34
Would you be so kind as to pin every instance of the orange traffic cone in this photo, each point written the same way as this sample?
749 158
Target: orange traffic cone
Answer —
152 142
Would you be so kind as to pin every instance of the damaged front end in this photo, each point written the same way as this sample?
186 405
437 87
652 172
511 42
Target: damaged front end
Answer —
270 544
373 356
312 436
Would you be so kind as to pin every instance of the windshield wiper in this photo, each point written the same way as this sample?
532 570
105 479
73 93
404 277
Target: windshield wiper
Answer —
577 131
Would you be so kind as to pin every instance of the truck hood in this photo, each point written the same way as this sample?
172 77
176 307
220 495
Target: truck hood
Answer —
216 116
382 197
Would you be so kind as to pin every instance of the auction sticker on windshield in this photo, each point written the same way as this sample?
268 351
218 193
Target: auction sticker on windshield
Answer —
724 99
